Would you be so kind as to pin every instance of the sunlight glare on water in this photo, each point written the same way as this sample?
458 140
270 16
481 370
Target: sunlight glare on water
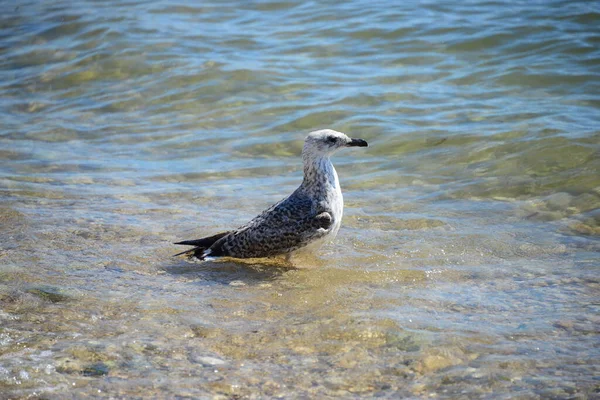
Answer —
467 262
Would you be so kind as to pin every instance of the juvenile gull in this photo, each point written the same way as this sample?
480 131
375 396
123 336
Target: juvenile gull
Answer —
307 218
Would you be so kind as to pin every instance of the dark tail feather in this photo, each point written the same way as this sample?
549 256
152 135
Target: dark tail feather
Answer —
189 251
201 244
204 242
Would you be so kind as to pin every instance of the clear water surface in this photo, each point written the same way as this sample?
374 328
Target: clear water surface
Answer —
468 262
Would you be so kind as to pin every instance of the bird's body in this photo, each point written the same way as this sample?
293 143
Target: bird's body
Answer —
306 219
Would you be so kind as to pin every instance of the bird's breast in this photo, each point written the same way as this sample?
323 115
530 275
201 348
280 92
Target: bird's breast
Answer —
337 207
322 183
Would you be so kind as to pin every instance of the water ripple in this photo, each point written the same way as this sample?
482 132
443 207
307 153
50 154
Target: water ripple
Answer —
469 252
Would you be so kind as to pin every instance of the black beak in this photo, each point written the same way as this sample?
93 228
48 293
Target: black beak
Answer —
357 143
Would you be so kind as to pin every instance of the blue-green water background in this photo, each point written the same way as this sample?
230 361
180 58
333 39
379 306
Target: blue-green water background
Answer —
468 260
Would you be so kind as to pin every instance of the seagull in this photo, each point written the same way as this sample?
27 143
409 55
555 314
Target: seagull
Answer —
306 219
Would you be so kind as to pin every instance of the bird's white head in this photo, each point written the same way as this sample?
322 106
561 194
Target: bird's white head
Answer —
325 142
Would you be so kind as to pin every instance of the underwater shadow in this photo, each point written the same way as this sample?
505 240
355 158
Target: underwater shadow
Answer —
228 272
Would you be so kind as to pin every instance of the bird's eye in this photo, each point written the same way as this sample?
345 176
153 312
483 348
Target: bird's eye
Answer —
331 139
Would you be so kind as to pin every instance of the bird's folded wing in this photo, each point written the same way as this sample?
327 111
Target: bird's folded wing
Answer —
287 226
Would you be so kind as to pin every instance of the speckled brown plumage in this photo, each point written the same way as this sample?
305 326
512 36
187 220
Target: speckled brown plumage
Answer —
313 212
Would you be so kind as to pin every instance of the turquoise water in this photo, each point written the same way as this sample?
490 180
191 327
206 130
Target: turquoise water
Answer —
467 262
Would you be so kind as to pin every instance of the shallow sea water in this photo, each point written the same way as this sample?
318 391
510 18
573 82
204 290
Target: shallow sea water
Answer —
468 261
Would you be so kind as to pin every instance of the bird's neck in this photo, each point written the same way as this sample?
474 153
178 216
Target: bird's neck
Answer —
319 174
